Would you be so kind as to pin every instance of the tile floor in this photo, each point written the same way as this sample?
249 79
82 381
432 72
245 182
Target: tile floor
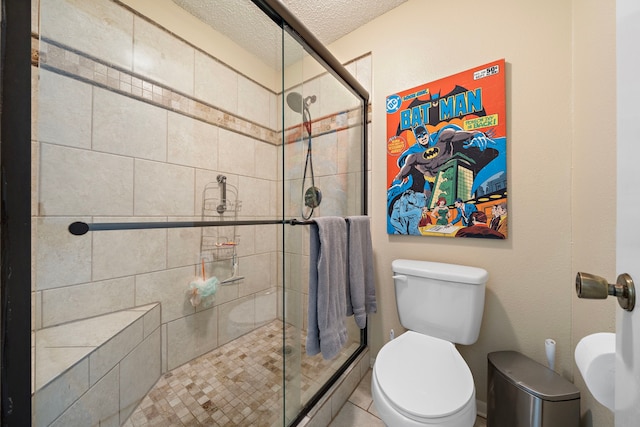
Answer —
240 384
237 384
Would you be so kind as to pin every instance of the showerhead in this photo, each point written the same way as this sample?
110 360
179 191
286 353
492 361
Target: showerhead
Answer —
294 100
297 104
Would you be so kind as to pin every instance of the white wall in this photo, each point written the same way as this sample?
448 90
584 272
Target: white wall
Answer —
554 147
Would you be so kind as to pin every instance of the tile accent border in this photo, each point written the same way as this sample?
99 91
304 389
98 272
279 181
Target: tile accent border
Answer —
63 60
60 59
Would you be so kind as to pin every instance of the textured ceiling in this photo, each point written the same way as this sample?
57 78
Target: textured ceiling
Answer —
245 24
329 20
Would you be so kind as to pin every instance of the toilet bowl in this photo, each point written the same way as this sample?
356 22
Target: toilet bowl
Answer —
420 380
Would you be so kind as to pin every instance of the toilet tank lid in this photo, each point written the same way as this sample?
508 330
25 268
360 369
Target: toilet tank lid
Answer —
532 377
441 271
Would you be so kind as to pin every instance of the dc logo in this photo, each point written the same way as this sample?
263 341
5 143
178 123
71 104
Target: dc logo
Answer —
393 103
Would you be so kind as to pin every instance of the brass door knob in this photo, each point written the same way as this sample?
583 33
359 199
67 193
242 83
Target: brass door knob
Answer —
591 286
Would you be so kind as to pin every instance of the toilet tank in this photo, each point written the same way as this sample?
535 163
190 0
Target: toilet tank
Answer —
440 300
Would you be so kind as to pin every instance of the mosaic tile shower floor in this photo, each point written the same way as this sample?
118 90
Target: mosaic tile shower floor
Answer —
237 384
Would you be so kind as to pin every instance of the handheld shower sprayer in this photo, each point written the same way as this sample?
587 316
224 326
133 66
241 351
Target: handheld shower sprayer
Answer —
301 105
312 196
297 103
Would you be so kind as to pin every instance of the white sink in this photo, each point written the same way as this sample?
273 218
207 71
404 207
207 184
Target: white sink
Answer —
596 359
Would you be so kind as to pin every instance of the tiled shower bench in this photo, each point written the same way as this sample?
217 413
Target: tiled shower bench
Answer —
96 370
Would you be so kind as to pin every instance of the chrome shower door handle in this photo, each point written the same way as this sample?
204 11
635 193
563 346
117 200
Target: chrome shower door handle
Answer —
591 286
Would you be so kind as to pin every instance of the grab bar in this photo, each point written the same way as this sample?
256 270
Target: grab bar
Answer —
222 207
79 228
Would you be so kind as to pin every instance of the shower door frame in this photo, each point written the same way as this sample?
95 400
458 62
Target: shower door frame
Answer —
282 16
287 21
16 213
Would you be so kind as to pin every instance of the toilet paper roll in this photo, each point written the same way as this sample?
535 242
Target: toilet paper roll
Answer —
550 348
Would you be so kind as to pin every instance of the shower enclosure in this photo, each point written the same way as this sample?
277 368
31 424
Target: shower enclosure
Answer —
180 150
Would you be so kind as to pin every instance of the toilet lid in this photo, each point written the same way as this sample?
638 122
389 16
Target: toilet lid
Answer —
423 376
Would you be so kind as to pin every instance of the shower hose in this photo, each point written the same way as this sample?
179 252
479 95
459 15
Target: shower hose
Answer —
309 197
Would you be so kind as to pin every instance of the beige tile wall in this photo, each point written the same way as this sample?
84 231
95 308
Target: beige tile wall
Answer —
132 122
118 141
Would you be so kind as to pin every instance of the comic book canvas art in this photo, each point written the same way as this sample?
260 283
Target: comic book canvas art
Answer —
446 156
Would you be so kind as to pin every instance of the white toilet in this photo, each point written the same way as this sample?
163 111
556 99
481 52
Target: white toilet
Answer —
419 378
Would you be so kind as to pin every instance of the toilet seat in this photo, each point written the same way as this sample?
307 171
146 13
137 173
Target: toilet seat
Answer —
424 378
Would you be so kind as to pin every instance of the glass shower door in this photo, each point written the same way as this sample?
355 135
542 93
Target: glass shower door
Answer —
144 130
293 271
137 128
323 175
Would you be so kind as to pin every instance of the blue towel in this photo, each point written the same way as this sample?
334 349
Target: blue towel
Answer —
361 295
326 330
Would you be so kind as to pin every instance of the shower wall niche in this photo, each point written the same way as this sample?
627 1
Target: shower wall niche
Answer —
135 124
